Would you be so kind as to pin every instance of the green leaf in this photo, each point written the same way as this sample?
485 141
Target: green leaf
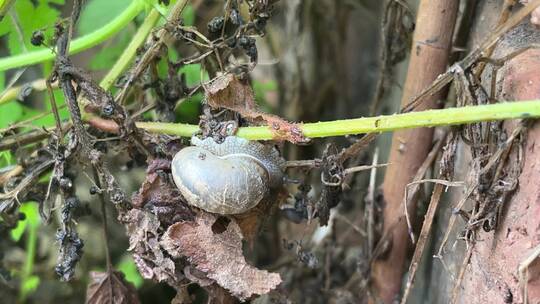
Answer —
9 113
6 159
193 74
30 17
31 220
128 268
188 111
189 15
108 55
17 233
98 13
30 284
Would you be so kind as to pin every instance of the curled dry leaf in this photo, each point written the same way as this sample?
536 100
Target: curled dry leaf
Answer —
218 255
142 228
228 92
110 287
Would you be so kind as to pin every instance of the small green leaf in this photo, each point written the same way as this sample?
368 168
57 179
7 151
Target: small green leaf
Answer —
30 285
189 15
9 113
193 74
188 111
98 13
128 268
17 233
31 16
109 54
32 219
6 159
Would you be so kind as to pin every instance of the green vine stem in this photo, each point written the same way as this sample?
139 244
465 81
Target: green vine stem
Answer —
131 50
79 44
5 5
119 67
385 123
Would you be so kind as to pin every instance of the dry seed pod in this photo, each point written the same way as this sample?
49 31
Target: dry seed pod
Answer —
227 178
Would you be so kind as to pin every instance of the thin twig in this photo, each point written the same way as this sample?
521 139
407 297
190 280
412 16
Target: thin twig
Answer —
462 269
410 193
355 169
424 233
152 52
370 202
103 219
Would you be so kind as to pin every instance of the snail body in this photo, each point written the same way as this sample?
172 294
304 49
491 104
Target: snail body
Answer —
226 178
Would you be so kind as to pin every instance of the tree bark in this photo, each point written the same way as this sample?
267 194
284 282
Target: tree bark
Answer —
492 275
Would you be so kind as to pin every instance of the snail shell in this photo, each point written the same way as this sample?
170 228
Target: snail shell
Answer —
227 178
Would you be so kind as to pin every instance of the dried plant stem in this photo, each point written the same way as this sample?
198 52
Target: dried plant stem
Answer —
104 220
430 51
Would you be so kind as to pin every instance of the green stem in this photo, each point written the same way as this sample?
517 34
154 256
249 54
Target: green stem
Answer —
385 123
32 227
5 5
120 66
79 44
131 50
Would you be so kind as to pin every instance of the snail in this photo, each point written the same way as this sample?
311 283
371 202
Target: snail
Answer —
229 177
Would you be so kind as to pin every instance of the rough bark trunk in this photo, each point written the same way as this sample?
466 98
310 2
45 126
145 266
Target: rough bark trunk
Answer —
492 273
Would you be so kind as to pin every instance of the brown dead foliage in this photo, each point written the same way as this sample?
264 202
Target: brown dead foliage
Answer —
231 93
158 204
174 244
110 287
217 252
144 232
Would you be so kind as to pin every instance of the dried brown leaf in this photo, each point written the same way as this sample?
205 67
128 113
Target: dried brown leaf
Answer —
218 255
110 287
229 92
142 229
